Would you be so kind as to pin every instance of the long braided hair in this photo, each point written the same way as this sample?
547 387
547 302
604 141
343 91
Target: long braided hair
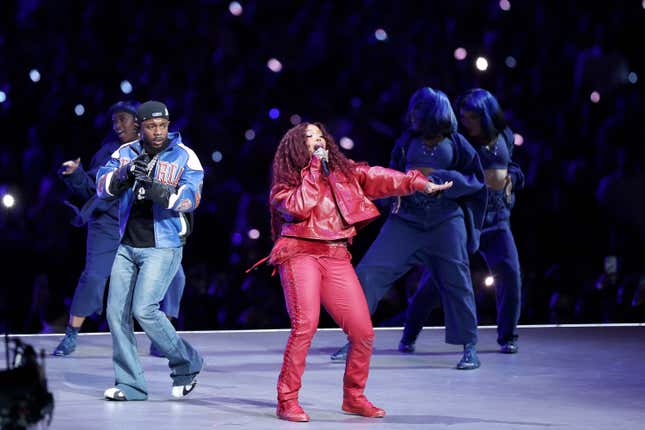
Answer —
292 156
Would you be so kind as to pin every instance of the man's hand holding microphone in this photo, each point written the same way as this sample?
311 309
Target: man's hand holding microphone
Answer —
147 188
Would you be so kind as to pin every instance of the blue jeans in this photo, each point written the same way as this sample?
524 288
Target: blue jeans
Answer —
171 301
139 280
101 247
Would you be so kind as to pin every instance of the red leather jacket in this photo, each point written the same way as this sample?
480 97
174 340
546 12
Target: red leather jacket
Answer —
331 208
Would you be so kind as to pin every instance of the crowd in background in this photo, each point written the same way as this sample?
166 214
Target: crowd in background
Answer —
567 74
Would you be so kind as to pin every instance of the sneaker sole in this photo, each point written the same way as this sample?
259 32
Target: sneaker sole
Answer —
468 367
184 391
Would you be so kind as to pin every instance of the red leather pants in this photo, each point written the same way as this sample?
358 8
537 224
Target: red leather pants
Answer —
308 281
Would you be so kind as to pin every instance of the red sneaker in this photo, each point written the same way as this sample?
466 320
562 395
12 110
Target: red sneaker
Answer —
290 410
362 406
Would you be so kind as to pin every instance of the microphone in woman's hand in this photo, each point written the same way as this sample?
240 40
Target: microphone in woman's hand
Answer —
320 152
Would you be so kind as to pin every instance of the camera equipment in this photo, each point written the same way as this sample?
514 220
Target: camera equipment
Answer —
24 397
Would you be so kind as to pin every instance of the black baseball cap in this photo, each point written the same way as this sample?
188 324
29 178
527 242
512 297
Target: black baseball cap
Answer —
152 109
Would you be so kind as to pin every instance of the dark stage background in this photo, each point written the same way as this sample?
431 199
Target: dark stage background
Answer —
567 73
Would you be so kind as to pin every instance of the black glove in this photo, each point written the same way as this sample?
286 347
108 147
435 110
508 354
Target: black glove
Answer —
140 165
128 172
125 175
149 189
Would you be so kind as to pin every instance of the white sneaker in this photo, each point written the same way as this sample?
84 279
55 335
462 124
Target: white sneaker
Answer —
114 394
180 391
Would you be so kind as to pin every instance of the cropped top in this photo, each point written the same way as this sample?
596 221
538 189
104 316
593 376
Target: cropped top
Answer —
438 156
495 156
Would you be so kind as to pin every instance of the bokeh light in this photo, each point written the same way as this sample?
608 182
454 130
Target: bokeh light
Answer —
34 75
274 65
460 54
235 8
126 87
481 63
217 156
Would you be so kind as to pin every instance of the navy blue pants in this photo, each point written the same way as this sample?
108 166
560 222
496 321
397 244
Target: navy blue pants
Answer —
498 248
101 247
402 245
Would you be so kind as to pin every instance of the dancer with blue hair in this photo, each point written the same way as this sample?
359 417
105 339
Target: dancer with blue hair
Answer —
436 231
483 122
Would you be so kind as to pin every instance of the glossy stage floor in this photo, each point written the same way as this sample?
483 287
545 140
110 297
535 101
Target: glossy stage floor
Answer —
565 377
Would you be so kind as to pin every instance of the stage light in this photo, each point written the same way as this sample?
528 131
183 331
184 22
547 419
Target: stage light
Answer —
295 119
632 77
481 63
489 281
505 5
217 156
254 234
274 113
380 35
594 97
235 8
346 143
274 65
249 134
126 87
8 201
460 54
356 102
34 75
3 97
510 62
79 109
518 139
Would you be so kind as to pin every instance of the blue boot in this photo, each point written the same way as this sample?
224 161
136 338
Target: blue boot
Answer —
509 347
68 344
341 354
469 360
406 346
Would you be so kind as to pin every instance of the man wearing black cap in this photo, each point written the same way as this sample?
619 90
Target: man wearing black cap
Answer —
158 182
102 219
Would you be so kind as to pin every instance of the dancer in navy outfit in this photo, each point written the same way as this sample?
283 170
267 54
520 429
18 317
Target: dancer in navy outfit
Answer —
437 231
102 219
482 120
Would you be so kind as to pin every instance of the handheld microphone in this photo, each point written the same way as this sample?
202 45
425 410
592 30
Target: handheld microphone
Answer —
323 162
136 187
325 167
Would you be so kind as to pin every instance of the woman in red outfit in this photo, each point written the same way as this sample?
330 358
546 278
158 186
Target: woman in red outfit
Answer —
319 199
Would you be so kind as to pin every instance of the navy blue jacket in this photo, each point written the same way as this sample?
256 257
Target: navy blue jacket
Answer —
468 190
82 184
